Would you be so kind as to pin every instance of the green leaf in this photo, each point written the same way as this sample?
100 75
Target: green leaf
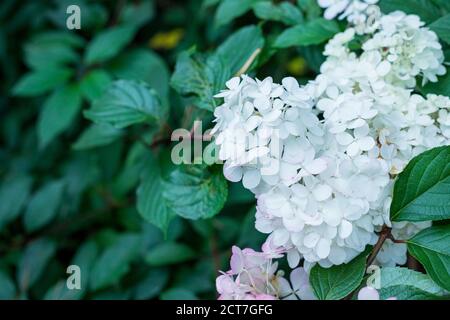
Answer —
137 13
114 262
94 83
406 284
7 287
144 65
441 87
85 258
125 103
41 81
431 248
109 43
197 278
13 194
153 283
442 28
59 111
238 48
53 51
423 8
310 8
284 12
97 135
422 190
178 294
229 10
338 281
443 4
218 71
66 38
402 292
168 253
190 191
313 32
194 75
133 165
59 291
33 262
193 192
43 206
150 202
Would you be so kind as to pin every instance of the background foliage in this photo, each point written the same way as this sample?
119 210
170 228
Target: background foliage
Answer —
86 118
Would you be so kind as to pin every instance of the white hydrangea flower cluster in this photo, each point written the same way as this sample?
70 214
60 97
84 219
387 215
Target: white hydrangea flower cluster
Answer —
362 14
266 132
322 158
402 124
411 49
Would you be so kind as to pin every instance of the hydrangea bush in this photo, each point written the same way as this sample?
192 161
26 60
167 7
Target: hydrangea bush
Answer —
323 170
322 159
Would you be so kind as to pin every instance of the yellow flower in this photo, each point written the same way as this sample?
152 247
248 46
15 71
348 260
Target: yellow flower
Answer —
166 40
297 66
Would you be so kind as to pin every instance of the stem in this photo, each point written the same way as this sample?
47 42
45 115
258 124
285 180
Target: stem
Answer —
391 237
249 62
384 234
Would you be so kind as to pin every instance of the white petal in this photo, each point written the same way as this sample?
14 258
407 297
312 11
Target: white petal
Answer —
272 115
337 255
266 86
383 68
280 237
344 138
255 153
323 248
252 123
290 83
251 179
262 103
293 258
322 192
353 149
366 143
316 166
274 201
331 216
288 171
311 239
233 83
345 229
293 224
233 174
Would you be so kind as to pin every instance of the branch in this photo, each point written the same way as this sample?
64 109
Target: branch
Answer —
248 63
384 234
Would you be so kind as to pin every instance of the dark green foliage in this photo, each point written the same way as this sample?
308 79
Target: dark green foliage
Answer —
86 118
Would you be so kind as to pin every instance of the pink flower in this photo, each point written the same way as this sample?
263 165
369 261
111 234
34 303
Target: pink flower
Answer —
369 293
250 277
265 297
